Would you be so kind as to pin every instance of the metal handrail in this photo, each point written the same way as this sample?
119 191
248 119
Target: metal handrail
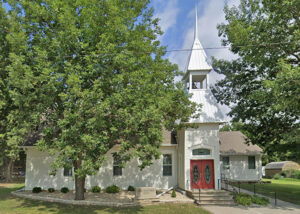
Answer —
234 190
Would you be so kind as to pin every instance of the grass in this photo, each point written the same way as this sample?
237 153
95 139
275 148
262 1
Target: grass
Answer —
10 204
287 189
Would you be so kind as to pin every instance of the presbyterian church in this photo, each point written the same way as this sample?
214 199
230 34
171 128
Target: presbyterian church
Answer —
198 158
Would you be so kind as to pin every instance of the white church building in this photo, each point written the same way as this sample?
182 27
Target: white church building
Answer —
197 158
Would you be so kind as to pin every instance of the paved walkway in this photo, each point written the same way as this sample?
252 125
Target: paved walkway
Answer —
252 210
281 208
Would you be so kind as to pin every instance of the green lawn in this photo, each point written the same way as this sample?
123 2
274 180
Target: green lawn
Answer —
287 189
11 204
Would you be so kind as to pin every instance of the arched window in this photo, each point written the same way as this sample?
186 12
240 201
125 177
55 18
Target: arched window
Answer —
201 151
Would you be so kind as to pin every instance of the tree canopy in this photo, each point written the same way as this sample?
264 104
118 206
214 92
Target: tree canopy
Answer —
262 84
88 75
9 150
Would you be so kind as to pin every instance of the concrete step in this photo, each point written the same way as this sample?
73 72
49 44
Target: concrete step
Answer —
214 198
213 202
209 191
211 194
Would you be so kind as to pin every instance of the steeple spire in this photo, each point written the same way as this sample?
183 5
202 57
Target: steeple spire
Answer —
196 22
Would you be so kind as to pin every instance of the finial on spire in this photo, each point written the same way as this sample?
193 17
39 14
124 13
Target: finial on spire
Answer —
196 23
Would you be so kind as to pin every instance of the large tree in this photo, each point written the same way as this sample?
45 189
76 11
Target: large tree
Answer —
91 75
262 84
8 149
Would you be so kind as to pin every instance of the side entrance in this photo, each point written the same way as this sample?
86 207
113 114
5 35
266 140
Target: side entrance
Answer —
202 174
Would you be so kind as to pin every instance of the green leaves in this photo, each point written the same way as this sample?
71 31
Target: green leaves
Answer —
261 86
88 76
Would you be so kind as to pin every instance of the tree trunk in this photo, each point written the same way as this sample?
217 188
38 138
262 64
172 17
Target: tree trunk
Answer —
9 171
79 182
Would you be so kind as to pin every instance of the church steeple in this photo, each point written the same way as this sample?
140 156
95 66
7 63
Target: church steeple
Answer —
197 81
198 59
198 68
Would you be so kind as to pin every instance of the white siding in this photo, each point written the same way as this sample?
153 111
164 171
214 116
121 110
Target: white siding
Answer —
206 136
181 158
38 169
239 171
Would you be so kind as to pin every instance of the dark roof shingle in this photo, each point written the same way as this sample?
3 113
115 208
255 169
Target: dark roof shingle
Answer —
234 143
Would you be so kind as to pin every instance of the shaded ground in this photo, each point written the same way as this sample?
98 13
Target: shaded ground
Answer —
10 204
121 197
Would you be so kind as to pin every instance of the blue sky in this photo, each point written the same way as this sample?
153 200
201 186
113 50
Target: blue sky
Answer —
178 23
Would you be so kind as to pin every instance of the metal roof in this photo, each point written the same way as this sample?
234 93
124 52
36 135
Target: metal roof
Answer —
197 59
278 165
210 111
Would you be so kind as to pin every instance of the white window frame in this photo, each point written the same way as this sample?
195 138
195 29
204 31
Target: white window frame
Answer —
167 165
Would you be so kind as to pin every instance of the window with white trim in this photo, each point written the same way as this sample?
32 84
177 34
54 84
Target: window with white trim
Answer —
201 151
68 171
251 162
167 165
117 169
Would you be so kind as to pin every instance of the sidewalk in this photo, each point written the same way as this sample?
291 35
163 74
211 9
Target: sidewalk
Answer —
282 207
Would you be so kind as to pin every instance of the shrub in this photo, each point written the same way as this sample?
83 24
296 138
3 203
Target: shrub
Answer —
284 174
51 190
247 200
260 200
276 176
64 189
243 199
96 189
112 189
291 173
288 173
173 193
130 188
37 189
296 174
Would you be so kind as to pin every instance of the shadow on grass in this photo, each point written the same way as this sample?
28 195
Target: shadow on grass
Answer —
5 192
58 208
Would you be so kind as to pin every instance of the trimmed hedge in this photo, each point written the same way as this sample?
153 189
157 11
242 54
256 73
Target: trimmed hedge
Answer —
36 190
51 190
96 189
112 189
64 189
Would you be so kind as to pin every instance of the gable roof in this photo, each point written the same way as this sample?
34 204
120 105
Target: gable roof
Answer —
234 143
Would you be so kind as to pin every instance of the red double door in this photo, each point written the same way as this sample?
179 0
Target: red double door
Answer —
202 174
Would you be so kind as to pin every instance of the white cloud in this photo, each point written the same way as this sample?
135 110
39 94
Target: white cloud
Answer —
167 12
